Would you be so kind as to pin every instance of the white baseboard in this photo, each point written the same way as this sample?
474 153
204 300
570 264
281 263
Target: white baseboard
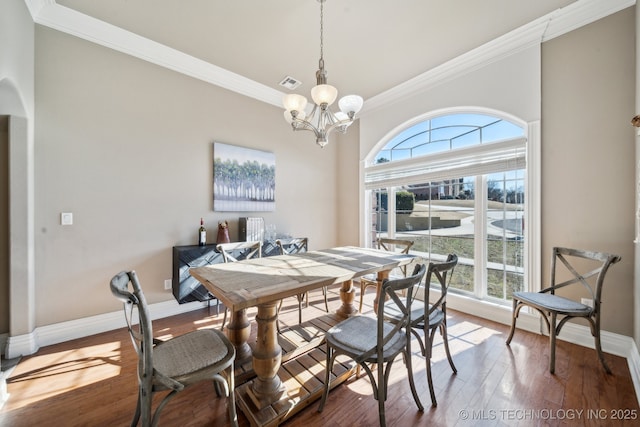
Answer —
22 345
3 342
634 367
26 344
619 345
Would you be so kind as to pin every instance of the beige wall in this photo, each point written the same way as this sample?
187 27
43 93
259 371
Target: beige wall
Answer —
347 189
586 93
510 84
588 152
17 102
126 146
16 57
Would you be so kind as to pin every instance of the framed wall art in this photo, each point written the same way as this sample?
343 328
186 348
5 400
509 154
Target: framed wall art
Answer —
244 179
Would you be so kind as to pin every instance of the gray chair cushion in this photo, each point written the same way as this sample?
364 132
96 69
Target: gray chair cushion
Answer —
189 353
360 333
550 302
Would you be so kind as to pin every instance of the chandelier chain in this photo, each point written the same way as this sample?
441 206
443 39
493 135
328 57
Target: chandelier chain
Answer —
321 30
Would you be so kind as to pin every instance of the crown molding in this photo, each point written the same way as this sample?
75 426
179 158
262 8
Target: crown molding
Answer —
50 14
502 47
545 28
581 13
554 24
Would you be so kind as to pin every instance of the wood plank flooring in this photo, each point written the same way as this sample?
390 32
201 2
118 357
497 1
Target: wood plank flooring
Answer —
91 382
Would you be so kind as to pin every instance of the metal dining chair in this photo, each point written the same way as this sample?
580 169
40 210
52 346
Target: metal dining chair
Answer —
427 317
368 340
577 264
294 246
392 245
174 364
232 252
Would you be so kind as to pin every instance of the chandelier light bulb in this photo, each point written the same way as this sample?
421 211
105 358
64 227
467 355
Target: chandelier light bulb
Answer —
294 102
324 94
350 104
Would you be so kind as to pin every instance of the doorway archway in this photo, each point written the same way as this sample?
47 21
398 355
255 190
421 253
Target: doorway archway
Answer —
21 249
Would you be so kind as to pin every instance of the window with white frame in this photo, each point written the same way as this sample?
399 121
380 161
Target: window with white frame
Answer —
455 183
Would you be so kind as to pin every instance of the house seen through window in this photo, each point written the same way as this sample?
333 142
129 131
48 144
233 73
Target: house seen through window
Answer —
455 183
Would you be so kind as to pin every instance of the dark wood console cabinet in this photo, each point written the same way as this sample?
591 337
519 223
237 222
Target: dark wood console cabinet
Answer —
187 289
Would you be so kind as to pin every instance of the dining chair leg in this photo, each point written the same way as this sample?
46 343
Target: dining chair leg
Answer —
445 339
381 414
324 294
136 416
363 288
300 299
145 407
514 316
224 319
278 311
409 364
419 338
552 341
596 335
327 378
382 394
233 415
428 359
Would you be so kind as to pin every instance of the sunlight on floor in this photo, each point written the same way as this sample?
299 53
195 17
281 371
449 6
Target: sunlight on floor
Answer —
41 377
463 336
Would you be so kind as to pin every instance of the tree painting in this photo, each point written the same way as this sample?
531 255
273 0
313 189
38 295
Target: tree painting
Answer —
243 179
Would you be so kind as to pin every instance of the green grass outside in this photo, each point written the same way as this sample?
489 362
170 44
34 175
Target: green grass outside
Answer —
463 246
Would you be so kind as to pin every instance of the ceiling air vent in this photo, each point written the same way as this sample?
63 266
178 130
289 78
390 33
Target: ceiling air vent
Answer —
290 83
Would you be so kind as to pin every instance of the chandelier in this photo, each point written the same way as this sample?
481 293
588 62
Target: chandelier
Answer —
321 121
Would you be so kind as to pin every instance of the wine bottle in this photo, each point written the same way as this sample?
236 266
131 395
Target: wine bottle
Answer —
202 234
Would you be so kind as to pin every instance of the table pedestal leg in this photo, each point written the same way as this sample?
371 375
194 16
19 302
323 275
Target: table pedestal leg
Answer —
380 278
347 295
267 357
238 331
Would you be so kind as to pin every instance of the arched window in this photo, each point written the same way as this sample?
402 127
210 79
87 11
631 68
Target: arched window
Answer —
456 183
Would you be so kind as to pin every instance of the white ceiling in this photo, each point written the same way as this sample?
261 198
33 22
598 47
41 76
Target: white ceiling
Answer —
370 46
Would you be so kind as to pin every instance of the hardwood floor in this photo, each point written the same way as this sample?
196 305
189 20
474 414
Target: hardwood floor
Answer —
91 382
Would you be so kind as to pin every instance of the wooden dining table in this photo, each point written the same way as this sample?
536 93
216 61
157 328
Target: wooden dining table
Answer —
263 282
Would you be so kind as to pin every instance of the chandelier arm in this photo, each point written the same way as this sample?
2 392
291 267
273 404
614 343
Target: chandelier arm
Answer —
306 124
340 125
298 124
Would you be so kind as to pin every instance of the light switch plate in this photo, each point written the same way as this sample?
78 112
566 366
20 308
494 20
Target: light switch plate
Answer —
66 218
